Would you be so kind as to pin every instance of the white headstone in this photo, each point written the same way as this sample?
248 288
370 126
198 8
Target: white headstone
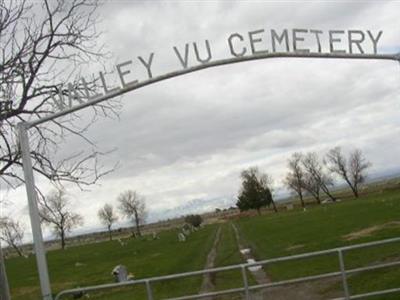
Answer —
122 243
155 236
245 251
253 268
120 273
181 237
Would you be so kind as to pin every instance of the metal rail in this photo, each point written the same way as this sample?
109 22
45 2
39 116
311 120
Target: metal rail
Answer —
246 288
216 63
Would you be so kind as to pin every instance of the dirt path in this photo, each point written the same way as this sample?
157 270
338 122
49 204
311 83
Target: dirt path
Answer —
259 275
302 291
208 279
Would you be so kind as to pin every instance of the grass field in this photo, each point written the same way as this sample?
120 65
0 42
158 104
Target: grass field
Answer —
228 254
92 264
372 217
324 227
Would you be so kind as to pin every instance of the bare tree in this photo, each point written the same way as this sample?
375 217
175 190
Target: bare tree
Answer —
56 213
267 181
43 44
358 168
316 174
133 206
12 233
312 187
353 170
107 217
294 179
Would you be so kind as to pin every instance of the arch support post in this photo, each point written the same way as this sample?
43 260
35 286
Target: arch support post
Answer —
4 288
40 251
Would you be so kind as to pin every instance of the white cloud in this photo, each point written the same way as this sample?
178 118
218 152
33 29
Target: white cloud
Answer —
183 142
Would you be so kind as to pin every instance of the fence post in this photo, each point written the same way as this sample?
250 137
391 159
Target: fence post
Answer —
149 291
245 283
344 277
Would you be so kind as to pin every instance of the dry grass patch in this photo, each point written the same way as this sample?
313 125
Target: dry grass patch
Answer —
295 247
365 232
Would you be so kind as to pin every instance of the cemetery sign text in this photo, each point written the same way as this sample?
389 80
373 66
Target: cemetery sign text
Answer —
238 45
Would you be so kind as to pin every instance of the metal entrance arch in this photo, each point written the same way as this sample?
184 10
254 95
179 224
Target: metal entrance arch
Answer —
25 126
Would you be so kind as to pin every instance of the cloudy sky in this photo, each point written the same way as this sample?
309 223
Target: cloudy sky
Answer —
182 143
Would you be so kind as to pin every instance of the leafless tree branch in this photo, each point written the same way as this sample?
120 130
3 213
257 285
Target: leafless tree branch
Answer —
351 170
295 179
43 44
12 233
55 212
133 206
316 177
107 217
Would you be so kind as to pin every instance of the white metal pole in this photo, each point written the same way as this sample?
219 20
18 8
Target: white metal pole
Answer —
34 213
149 291
245 283
344 276
4 289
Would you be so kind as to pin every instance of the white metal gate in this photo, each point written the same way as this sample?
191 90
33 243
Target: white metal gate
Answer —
246 289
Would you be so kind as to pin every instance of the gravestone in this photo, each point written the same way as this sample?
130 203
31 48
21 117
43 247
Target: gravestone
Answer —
186 231
120 273
245 251
253 268
122 243
181 237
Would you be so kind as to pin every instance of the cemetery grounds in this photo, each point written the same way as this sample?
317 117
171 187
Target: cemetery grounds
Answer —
374 216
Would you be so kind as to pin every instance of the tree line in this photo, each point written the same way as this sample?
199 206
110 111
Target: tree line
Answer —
56 212
308 175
